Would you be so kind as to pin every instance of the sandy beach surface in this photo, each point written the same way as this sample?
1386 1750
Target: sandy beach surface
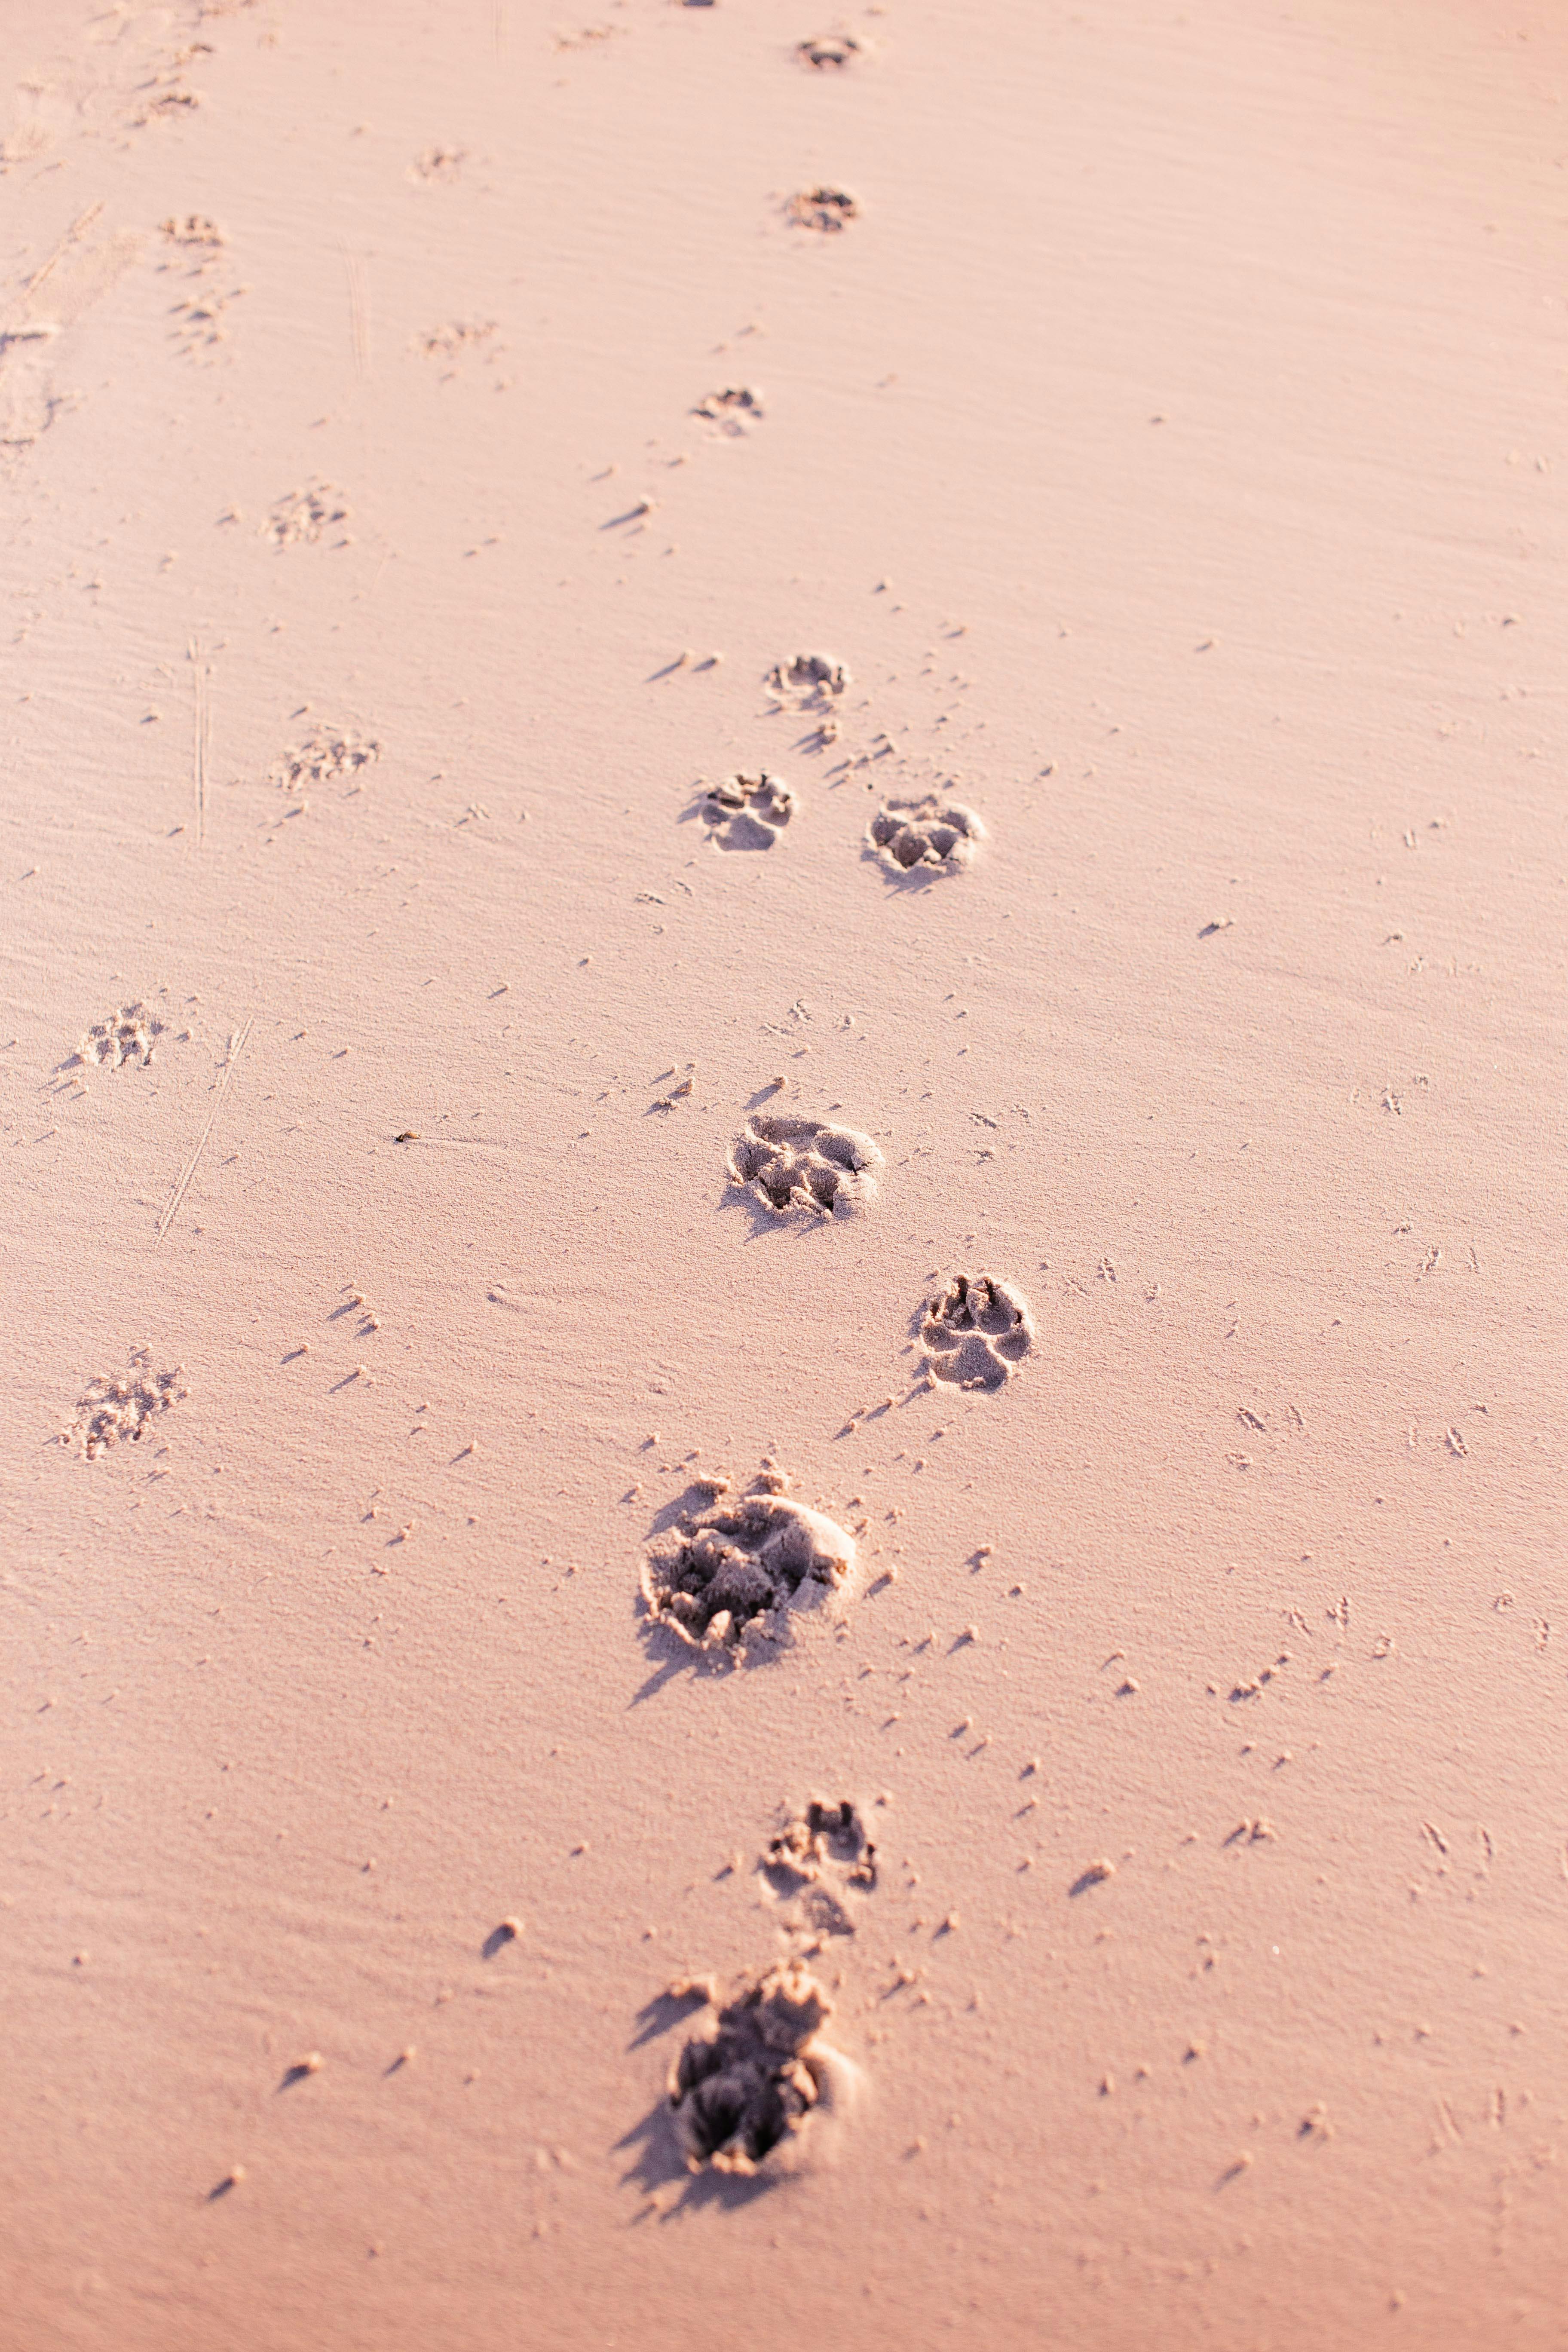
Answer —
502 500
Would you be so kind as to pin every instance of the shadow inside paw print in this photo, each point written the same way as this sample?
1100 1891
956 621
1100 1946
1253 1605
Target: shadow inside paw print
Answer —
829 51
918 836
811 680
820 1863
977 1333
740 2091
127 1036
826 211
746 811
728 1572
803 1164
115 1411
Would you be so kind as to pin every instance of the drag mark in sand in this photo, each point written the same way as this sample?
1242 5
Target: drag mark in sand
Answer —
235 1047
201 741
359 310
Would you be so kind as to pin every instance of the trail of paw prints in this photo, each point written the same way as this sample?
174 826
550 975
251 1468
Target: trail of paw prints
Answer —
305 517
746 811
194 245
918 837
804 1163
731 1573
977 1333
115 1411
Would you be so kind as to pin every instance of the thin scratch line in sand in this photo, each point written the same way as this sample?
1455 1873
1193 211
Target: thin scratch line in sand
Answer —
77 228
236 1048
359 310
201 745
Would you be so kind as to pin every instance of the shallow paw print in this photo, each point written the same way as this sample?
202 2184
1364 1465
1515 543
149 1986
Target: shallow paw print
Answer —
829 52
977 1333
803 1163
115 1411
810 680
731 1573
746 811
327 755
917 836
734 408
127 1035
821 1862
305 516
824 211
743 2090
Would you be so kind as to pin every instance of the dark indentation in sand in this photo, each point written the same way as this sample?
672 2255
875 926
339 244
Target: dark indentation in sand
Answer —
803 1163
327 755
735 407
824 210
978 1332
305 516
917 835
746 811
731 1569
742 2091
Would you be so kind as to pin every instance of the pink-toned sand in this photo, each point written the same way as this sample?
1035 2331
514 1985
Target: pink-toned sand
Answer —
1171 448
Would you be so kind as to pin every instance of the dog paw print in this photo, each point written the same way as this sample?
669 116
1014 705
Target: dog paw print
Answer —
325 757
734 408
977 1333
742 2090
127 1036
820 1861
731 1573
117 1411
823 211
305 516
810 680
437 166
829 52
746 811
916 836
803 1163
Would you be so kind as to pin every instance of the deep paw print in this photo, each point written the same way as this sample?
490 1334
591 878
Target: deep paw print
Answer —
728 1575
914 837
747 812
827 52
326 756
977 1333
803 1163
742 2090
821 1860
117 1411
305 516
127 1036
824 211
814 681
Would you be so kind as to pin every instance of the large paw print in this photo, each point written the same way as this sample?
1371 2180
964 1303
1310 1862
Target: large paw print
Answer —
127 1036
742 2091
977 1333
803 1164
747 812
722 1575
917 835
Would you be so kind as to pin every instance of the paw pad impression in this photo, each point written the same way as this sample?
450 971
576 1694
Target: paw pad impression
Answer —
976 1334
909 834
803 1164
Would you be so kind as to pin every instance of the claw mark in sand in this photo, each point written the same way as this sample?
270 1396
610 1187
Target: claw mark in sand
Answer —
978 1332
728 1575
235 1047
746 811
915 836
744 2089
803 1164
